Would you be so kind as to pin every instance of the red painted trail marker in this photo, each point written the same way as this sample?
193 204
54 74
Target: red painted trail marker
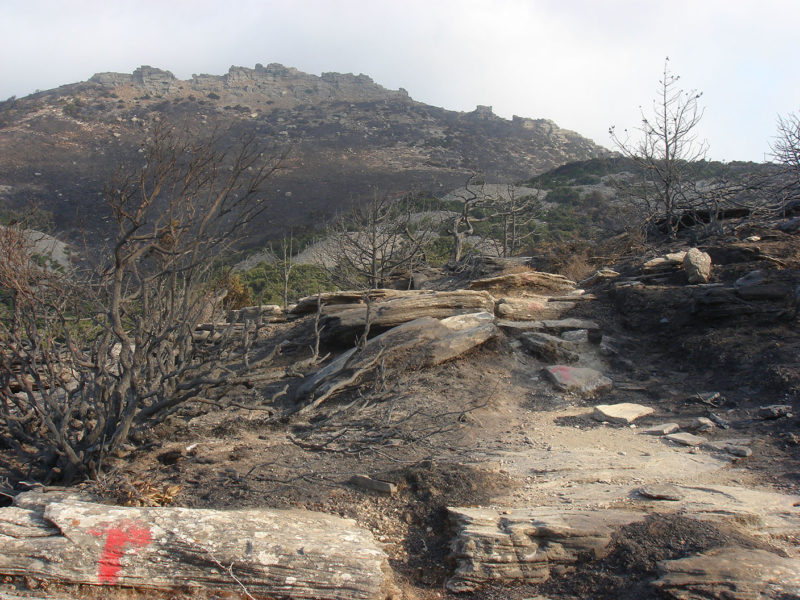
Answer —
121 537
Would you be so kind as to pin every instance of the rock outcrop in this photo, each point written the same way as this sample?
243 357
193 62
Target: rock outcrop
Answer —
522 545
278 553
731 573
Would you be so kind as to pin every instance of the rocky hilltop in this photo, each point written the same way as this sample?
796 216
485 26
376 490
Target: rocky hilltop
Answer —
347 135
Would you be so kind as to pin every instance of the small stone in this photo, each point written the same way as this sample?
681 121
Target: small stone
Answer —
775 411
741 451
368 483
686 439
719 421
702 425
662 429
658 491
624 412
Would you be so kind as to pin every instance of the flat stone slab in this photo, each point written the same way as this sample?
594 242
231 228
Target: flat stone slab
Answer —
580 380
295 554
731 573
661 491
686 439
624 412
661 429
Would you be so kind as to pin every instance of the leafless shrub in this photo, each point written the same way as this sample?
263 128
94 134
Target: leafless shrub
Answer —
86 356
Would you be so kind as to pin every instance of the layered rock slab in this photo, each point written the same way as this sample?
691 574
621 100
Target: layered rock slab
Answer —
522 545
294 554
419 343
344 324
730 573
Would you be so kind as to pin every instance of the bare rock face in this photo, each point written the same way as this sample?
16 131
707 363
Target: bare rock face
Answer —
697 265
581 380
730 573
277 553
521 545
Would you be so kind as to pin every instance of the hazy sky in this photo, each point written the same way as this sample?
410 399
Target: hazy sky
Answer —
585 64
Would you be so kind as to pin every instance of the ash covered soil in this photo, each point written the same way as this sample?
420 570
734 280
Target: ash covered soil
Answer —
488 429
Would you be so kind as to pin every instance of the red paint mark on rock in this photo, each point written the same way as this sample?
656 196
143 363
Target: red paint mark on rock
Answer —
121 537
563 372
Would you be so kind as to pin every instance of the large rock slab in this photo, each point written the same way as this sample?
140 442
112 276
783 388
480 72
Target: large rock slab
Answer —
344 324
730 573
420 343
530 308
580 380
277 553
549 348
624 412
534 282
522 545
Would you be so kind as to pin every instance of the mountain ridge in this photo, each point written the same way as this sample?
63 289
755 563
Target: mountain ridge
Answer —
349 136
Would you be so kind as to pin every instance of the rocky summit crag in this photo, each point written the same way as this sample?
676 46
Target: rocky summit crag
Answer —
347 135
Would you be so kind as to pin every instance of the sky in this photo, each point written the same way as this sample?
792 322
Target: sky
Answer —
585 64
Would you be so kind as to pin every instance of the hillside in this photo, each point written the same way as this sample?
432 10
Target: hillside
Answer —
346 135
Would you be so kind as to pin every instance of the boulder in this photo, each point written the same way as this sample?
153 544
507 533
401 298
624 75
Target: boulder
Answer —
344 324
697 265
549 348
581 380
732 573
493 546
276 553
624 412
